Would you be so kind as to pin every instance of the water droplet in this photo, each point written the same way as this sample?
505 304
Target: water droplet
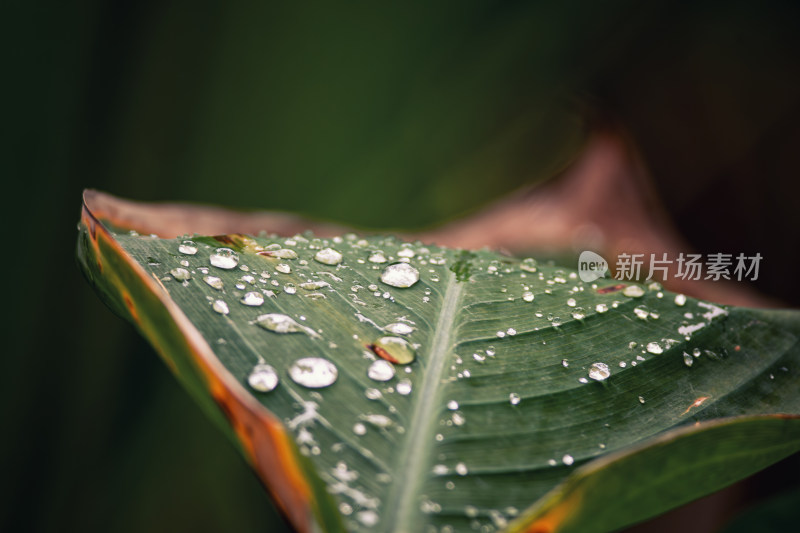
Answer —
479 357
224 258
373 393
696 352
406 252
528 264
452 405
368 517
279 323
404 387
578 314
398 328
289 288
641 312
599 371
654 348
377 257
571 302
359 429
253 299
380 370
220 307
263 378
437 260
688 360
401 275
328 256
527 296
180 274
187 248
314 285
601 308
680 300
284 253
514 398
633 291
283 268
213 281
564 363
396 350
511 331
641 399
313 372
461 469
458 419
567 459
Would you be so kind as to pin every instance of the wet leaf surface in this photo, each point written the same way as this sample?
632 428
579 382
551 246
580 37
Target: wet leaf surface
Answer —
382 385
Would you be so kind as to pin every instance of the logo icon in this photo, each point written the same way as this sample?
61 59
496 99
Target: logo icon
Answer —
591 266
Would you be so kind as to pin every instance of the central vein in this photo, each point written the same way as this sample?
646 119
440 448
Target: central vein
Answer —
402 504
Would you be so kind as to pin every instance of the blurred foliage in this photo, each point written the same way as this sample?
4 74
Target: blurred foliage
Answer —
390 117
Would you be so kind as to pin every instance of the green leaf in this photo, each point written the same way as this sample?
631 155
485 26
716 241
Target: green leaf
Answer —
531 400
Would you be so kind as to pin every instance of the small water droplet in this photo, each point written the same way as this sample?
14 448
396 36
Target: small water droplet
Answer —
373 393
527 296
688 360
283 268
528 264
213 281
224 258
654 348
328 256
461 469
284 253
368 517
401 275
452 405
564 363
263 378
404 387
377 257
187 248
680 300
380 370
514 398
599 371
633 291
571 302
696 352
359 429
601 308
279 323
641 399
220 307
253 299
396 350
567 459
437 260
313 372
289 288
180 274
458 418
406 253
641 312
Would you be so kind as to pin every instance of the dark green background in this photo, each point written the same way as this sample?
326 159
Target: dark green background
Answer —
378 115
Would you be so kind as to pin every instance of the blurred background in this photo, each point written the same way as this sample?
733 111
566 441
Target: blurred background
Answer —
376 115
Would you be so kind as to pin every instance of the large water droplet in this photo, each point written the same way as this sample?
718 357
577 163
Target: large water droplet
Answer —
398 328
279 323
253 299
263 378
396 350
328 256
381 370
224 258
187 248
599 371
400 275
313 372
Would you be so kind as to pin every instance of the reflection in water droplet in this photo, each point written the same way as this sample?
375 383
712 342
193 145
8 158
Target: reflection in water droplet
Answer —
654 347
396 350
404 387
263 378
187 248
380 370
220 307
398 328
180 274
253 299
213 281
224 258
514 398
313 372
599 371
633 291
328 256
401 275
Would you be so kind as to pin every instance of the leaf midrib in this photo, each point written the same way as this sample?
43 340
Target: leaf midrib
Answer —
412 459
